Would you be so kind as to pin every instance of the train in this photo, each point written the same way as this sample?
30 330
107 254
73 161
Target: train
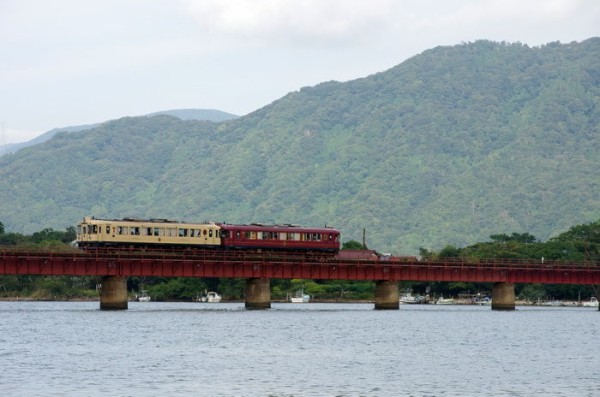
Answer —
162 233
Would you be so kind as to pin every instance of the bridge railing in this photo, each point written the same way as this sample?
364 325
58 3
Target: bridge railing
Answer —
298 258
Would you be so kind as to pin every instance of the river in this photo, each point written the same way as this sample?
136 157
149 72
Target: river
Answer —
314 349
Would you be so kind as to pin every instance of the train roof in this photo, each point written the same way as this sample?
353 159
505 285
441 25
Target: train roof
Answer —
89 219
279 228
288 227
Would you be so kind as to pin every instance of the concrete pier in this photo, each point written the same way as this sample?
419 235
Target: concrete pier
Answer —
503 296
258 293
387 296
113 295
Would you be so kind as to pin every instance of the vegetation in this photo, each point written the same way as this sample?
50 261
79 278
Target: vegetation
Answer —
448 147
579 243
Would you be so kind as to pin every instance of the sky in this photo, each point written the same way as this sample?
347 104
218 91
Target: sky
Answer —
71 62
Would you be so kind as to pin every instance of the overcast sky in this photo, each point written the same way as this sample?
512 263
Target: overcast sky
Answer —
72 62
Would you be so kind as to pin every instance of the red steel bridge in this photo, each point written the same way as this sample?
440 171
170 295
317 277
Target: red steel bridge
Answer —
239 264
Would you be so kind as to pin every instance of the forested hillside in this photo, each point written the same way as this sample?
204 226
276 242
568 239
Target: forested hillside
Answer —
449 147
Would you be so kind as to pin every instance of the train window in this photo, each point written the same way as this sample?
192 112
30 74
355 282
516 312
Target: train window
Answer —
156 231
247 234
210 233
135 231
95 229
182 232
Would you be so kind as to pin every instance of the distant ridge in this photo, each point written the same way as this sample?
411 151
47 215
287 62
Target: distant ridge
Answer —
183 114
198 114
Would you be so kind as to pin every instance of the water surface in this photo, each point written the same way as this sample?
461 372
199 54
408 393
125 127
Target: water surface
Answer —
202 349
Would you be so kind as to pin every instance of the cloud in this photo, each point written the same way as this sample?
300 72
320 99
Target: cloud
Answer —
335 21
281 20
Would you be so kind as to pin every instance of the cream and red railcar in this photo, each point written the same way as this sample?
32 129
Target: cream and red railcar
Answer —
92 232
128 232
280 237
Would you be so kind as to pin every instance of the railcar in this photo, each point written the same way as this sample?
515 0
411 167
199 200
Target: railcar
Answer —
92 232
280 237
129 232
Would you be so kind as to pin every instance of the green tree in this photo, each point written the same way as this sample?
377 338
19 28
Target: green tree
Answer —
352 245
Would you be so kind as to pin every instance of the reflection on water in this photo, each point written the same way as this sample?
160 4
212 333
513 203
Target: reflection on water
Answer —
201 349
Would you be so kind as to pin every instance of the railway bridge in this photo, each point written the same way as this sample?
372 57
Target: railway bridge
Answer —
115 266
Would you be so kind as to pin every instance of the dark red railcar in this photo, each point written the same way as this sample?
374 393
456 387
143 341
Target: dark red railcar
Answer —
280 237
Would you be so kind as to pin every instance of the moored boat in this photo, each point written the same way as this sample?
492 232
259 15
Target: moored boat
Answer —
593 302
409 298
209 297
444 301
143 297
300 297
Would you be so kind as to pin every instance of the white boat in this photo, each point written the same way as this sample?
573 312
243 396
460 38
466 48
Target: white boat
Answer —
593 302
210 297
300 297
143 297
409 298
444 301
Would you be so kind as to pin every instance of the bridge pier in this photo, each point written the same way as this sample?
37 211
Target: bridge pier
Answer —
387 296
113 294
258 293
503 296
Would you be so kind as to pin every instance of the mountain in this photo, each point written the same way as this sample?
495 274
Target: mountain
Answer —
197 114
449 147
13 147
183 114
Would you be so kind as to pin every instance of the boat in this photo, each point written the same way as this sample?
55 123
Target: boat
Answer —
409 298
444 301
593 302
143 297
210 297
300 297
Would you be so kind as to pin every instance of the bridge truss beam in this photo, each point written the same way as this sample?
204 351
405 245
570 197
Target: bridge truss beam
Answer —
240 265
